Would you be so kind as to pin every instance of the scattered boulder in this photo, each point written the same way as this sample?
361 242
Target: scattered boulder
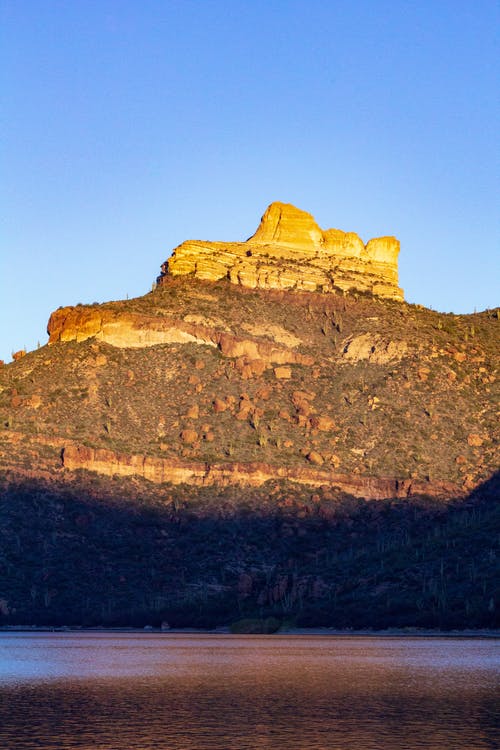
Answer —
189 436
219 405
249 368
193 412
282 373
315 458
475 440
322 423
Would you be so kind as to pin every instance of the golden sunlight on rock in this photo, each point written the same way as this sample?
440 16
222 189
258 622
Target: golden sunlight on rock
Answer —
252 474
290 251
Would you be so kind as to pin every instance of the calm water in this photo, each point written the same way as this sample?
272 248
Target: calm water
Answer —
187 692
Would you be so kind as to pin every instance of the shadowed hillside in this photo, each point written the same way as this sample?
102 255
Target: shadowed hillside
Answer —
105 553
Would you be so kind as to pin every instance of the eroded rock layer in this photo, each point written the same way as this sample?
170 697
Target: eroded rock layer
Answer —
138 331
290 251
254 474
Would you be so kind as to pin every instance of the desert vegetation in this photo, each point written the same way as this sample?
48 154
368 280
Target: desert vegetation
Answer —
331 382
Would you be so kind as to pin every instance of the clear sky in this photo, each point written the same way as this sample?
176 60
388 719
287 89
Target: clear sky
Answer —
132 125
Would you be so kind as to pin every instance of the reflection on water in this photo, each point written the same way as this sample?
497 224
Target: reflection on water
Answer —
187 692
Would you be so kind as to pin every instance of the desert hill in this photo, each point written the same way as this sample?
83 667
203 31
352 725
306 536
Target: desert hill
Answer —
281 376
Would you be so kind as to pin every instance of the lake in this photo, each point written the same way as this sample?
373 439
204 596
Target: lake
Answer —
151 691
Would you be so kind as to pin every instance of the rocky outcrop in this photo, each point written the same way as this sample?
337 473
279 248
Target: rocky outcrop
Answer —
253 474
290 251
374 349
123 330
135 330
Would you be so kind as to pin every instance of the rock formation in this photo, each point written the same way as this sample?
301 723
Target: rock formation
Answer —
254 474
290 251
268 345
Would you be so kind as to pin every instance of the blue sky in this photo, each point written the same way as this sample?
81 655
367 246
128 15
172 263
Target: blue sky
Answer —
131 126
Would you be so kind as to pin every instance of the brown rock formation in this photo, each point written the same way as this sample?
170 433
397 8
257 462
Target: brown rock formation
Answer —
373 348
135 331
290 251
254 474
123 330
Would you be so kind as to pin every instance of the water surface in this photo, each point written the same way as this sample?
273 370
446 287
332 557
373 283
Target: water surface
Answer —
107 691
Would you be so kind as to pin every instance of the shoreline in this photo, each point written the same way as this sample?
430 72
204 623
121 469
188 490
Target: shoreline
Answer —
149 630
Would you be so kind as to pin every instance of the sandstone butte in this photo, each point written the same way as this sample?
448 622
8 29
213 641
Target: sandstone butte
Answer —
290 251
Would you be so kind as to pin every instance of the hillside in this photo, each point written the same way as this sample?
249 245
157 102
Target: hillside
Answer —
327 421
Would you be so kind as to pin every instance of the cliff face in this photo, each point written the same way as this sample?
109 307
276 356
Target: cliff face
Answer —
290 251
273 345
254 474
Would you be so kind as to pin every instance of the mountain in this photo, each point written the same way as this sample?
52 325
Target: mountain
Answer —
271 432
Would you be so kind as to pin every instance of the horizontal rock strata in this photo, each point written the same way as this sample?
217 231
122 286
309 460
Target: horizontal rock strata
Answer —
160 470
133 330
290 251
